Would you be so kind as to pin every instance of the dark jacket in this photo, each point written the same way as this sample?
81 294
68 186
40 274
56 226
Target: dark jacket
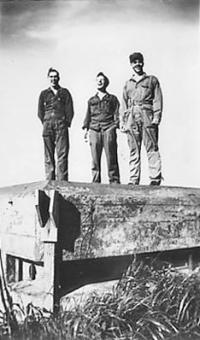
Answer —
55 106
102 113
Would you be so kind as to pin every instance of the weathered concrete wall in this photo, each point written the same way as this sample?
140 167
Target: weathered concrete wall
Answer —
20 232
119 220
115 220
87 233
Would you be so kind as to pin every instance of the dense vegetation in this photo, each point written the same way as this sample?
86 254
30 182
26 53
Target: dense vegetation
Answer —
147 304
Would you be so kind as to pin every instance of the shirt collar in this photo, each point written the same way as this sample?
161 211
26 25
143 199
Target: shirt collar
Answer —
143 76
105 95
50 89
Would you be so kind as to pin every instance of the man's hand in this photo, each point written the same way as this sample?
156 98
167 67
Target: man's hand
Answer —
152 125
123 129
154 121
68 124
85 136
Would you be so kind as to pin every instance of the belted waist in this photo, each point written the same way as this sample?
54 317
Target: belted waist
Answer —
141 102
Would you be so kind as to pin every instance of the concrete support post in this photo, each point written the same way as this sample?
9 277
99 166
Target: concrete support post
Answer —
51 277
52 252
190 262
4 263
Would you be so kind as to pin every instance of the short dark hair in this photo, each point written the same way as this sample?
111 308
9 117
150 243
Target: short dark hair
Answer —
136 56
105 77
51 69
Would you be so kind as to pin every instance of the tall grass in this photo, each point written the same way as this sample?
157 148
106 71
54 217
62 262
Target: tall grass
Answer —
147 304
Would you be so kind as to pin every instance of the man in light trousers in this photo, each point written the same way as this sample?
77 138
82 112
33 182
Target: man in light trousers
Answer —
141 113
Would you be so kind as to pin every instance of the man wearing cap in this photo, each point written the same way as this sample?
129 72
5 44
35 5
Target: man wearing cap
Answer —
140 117
55 110
102 120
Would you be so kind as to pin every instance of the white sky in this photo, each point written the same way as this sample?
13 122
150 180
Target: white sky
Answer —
81 38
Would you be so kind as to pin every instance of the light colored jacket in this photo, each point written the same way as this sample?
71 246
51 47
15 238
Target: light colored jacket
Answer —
147 93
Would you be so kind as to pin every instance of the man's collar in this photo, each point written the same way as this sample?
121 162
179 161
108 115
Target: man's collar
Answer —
100 94
51 89
144 75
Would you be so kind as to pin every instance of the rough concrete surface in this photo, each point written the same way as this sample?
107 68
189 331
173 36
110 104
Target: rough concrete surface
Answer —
99 221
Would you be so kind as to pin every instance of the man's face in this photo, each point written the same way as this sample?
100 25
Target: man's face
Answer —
53 78
137 66
101 83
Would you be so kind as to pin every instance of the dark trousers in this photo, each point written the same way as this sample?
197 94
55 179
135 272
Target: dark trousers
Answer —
56 138
107 140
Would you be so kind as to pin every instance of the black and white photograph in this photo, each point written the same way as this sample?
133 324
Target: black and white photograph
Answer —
100 164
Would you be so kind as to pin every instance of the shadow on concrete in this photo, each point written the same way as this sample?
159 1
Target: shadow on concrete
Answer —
77 273
69 224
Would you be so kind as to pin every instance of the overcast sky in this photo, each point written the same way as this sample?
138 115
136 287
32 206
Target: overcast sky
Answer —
81 38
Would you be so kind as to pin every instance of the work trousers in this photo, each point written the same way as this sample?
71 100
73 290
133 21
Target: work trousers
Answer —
56 138
142 130
108 140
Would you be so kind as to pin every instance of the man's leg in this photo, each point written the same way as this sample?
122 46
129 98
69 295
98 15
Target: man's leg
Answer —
62 149
150 137
96 151
49 160
134 138
110 146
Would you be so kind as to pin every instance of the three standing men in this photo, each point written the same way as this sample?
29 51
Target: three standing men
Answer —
55 110
102 120
141 114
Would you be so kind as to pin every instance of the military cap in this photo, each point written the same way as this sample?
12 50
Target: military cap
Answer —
136 56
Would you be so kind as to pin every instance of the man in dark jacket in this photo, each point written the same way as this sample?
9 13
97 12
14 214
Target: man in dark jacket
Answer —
102 120
55 110
141 113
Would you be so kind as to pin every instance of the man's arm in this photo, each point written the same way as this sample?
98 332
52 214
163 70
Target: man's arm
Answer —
86 122
69 108
157 102
124 114
124 104
41 107
116 112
